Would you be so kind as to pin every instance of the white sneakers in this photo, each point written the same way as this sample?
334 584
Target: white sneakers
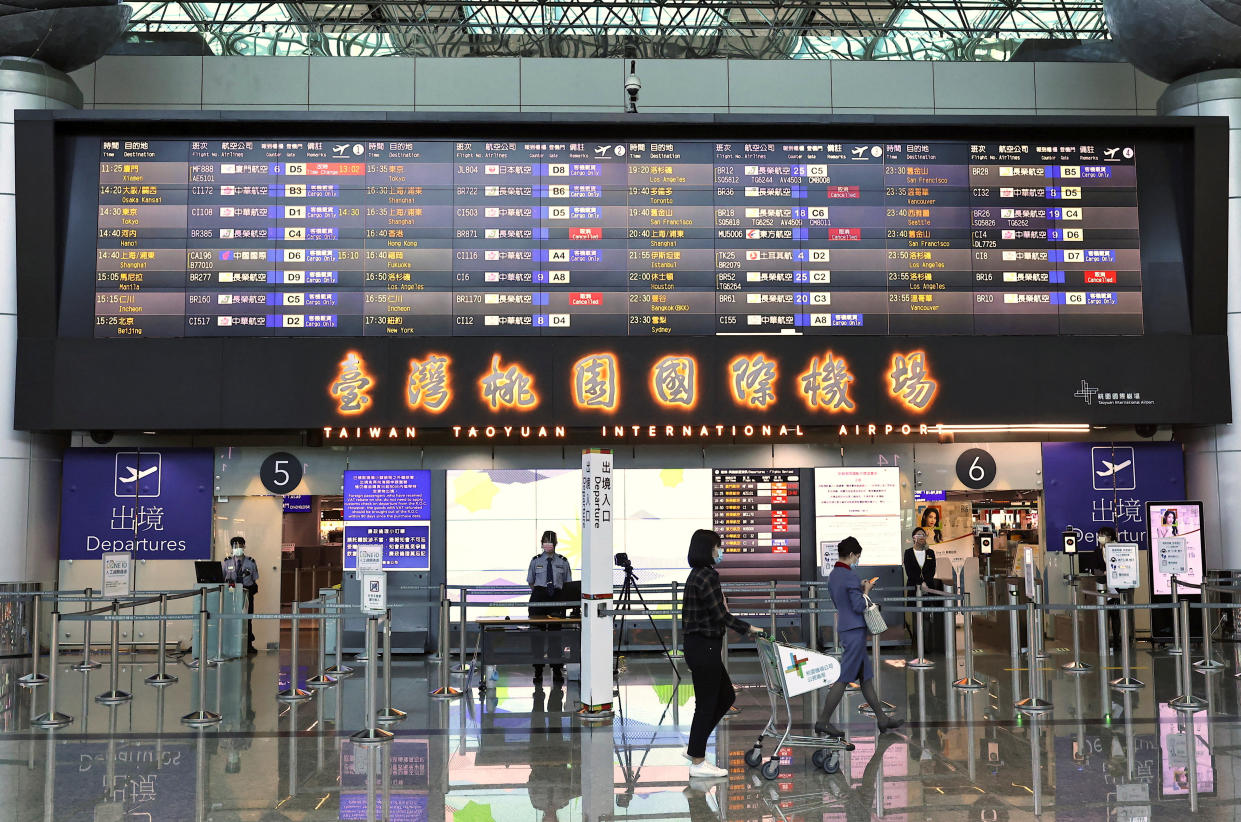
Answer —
705 770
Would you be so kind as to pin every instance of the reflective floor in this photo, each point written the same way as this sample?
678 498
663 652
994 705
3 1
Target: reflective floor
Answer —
519 753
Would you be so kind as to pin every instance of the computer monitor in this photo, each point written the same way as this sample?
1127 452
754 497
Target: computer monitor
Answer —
208 572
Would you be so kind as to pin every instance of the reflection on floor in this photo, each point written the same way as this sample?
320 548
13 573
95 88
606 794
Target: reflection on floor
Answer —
521 754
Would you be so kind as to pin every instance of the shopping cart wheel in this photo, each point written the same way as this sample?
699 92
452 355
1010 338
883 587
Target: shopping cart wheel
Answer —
831 762
754 756
818 756
771 769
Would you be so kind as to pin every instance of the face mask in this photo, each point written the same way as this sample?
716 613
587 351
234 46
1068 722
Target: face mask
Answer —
719 557
549 546
237 552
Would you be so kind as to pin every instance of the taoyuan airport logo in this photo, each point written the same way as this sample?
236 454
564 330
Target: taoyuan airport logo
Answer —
138 473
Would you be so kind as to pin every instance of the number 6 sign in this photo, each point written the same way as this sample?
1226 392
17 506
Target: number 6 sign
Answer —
976 468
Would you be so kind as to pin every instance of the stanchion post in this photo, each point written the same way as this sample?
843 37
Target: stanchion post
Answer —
114 695
674 652
461 667
322 679
771 604
219 631
445 690
1033 704
969 682
920 662
34 678
1177 649
812 593
1076 666
1186 701
202 717
865 708
1126 681
340 669
1014 627
389 714
87 664
372 734
294 693
53 718
1208 664
1105 649
161 677
1038 650
442 644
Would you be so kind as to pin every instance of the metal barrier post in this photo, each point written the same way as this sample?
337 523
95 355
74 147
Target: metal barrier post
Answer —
294 693
1105 650
865 708
1076 666
389 714
445 690
1125 682
1186 701
969 682
201 646
114 695
202 717
1208 664
1177 649
442 645
920 662
950 633
340 669
34 678
219 632
53 718
371 734
1039 649
462 667
1033 704
322 679
87 664
812 594
1014 628
161 677
675 651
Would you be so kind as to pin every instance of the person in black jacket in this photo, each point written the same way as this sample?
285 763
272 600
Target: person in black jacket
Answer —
919 562
705 618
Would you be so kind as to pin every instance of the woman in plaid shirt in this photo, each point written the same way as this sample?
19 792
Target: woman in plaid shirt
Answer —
705 618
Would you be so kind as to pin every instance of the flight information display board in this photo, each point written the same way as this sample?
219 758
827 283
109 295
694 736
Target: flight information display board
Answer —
357 237
756 511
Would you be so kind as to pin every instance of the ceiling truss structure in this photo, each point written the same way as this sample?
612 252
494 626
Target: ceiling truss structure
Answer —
757 29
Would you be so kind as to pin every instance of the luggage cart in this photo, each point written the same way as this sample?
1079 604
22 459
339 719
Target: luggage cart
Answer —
777 678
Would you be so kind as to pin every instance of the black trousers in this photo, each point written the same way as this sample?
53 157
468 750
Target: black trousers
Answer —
539 641
713 690
251 594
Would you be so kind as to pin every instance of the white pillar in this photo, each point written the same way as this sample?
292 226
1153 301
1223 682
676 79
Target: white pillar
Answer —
1213 455
598 496
29 464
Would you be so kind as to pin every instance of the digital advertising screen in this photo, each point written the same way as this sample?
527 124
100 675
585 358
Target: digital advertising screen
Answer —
1179 734
459 271
1175 538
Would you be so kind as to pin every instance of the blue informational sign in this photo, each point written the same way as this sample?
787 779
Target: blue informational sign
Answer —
153 503
297 503
1088 485
144 782
390 510
407 781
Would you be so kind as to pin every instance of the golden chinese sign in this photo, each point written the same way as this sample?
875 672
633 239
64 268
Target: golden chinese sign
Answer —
429 384
352 386
674 381
752 381
910 382
596 383
824 385
507 387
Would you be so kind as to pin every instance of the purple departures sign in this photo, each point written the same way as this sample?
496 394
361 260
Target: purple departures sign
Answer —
390 510
153 503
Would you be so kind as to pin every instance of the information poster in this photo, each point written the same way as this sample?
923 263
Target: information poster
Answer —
390 511
1176 536
864 503
1122 565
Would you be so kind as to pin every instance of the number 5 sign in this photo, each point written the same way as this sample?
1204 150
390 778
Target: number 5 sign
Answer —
281 472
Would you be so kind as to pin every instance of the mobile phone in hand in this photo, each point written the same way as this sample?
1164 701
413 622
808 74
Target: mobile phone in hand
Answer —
873 580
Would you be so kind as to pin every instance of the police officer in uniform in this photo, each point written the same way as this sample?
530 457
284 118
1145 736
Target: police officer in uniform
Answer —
242 570
546 577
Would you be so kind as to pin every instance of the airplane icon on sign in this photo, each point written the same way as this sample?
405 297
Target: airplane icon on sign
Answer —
1109 469
858 151
601 150
1110 152
135 475
340 149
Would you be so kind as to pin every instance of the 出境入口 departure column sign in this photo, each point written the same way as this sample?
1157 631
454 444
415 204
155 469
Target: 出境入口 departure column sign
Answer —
483 238
755 511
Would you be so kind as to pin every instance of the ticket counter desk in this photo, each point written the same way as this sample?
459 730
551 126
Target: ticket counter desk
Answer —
234 636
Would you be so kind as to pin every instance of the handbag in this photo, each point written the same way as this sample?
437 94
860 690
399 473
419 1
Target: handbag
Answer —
875 623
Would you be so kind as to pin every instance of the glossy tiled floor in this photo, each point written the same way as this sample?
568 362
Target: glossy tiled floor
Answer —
519 753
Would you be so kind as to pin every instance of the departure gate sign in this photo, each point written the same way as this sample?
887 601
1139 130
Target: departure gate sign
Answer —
481 238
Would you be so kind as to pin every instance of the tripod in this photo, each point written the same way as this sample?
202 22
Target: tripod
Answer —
623 604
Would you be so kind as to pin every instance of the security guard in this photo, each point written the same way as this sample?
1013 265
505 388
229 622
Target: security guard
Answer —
546 577
242 570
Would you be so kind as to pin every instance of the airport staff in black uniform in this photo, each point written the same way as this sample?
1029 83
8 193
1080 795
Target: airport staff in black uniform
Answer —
242 570
546 576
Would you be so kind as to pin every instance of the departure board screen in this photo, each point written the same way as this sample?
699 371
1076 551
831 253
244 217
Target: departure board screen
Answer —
757 511
443 238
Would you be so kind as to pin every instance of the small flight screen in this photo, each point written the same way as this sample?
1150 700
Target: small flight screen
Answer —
442 238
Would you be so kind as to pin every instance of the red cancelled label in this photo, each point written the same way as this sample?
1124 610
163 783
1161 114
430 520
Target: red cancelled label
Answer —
1100 277
779 549
586 298
844 234
585 233
844 192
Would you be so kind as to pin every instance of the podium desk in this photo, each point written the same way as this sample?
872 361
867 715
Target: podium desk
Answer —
234 602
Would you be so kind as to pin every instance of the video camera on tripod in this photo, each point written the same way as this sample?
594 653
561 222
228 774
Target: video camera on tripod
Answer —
625 602
622 561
